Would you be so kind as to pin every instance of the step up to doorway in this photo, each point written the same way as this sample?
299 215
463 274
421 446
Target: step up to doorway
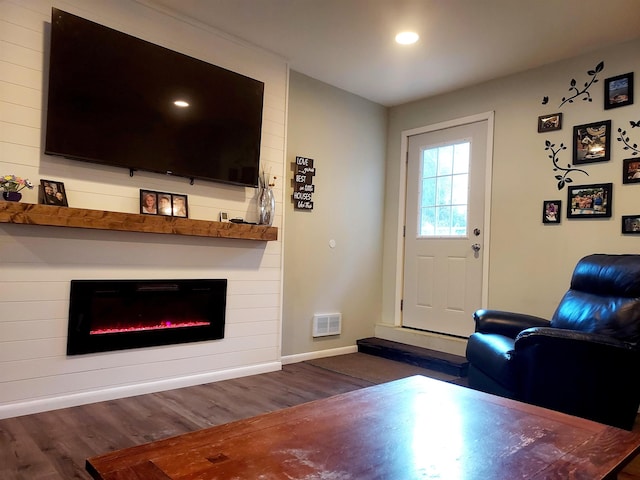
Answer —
418 356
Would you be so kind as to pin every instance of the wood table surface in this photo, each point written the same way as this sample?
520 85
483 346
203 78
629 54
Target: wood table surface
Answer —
414 428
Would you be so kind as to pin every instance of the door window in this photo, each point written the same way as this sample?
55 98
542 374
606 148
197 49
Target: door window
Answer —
444 191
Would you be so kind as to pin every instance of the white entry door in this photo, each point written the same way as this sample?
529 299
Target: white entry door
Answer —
445 210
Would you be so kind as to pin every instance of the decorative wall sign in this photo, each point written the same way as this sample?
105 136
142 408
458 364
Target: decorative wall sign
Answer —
303 187
564 178
592 142
618 91
547 123
589 201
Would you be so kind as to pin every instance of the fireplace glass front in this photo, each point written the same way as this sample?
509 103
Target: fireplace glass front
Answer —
120 314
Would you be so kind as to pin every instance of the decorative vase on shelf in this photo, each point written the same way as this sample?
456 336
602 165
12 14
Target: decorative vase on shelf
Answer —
12 196
266 206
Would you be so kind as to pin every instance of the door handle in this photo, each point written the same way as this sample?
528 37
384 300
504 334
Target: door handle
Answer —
475 247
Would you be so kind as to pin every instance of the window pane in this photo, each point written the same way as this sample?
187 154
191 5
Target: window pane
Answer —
428 192
459 220
460 190
429 162
444 191
443 219
427 221
445 160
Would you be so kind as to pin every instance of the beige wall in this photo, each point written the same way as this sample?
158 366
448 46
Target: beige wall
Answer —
346 136
530 263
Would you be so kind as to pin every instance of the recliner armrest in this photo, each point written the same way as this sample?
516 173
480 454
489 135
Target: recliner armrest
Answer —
506 323
535 335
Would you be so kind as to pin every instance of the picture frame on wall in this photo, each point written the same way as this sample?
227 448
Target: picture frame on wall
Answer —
631 170
165 207
163 203
180 207
618 91
631 224
52 192
148 202
590 201
551 211
549 123
592 142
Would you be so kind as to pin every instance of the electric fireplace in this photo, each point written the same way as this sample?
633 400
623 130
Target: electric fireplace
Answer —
120 314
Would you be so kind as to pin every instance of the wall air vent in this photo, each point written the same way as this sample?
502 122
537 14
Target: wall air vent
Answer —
327 324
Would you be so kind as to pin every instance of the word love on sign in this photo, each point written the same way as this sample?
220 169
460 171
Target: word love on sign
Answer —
303 186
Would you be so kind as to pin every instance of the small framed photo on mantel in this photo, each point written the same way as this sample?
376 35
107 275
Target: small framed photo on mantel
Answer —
163 203
52 193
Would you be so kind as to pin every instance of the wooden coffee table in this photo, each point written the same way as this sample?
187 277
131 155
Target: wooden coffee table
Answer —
413 428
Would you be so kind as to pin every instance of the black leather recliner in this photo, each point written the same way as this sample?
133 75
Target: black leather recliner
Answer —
584 362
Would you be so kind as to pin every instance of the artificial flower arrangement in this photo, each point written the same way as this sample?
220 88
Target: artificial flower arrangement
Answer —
11 183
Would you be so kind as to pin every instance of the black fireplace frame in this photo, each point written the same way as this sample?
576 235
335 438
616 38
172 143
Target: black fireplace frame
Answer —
83 292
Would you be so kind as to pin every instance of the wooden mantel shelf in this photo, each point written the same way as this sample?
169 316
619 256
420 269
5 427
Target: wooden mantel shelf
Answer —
32 214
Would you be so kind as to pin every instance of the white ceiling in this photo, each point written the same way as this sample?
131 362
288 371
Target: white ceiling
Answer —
350 43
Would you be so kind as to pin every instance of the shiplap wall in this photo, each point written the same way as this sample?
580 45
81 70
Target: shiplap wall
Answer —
37 263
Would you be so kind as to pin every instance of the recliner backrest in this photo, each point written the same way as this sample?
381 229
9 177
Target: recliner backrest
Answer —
604 297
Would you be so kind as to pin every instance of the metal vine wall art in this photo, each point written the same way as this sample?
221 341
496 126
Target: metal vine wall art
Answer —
575 92
622 137
564 178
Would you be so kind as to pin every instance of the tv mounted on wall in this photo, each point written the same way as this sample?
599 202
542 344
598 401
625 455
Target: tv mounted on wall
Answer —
111 101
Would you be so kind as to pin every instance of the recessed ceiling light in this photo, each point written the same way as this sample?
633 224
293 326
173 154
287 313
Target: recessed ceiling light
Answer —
407 38
181 103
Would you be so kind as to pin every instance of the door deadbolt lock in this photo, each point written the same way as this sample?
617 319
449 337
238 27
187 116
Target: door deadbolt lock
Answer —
476 232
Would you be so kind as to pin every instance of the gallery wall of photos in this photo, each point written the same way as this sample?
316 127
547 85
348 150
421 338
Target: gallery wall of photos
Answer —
590 143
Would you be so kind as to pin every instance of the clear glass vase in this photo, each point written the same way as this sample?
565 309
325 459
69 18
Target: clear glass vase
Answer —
266 206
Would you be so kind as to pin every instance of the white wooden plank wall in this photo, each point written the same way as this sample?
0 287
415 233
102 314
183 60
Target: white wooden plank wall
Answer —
37 263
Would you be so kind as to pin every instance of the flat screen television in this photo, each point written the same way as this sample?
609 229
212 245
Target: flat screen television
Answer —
111 101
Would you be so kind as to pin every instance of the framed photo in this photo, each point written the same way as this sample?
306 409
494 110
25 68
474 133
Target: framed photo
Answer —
551 211
548 123
180 207
52 193
148 202
592 142
631 224
631 170
163 203
618 91
589 201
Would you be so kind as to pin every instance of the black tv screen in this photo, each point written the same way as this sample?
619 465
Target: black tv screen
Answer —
111 101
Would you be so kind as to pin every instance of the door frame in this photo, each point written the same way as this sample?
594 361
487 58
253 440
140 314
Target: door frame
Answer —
402 202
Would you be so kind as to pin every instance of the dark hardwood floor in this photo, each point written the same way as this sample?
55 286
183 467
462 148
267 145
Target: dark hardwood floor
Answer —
54 445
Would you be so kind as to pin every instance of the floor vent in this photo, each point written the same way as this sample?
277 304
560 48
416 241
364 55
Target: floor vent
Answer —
327 324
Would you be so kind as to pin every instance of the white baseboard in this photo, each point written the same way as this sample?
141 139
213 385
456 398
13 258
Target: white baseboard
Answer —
332 352
83 398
